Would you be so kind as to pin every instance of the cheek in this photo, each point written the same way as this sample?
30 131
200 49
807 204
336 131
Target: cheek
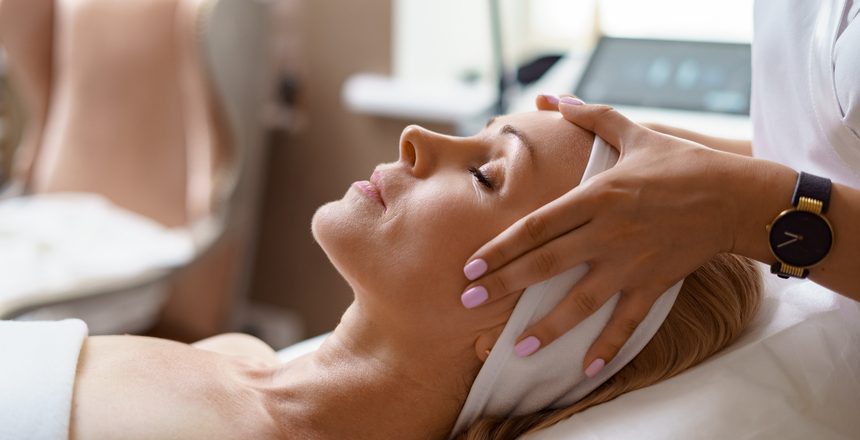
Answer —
439 229
433 230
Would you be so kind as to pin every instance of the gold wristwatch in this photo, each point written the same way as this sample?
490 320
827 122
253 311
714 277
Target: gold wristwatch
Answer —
801 236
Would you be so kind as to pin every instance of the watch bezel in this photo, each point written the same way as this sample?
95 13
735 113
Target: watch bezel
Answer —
791 211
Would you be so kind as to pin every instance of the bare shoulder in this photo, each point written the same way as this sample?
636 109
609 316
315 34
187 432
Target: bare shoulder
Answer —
134 387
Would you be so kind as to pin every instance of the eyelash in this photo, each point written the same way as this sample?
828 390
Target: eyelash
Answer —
486 181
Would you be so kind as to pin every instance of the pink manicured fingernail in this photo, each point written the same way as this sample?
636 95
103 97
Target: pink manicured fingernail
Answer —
474 297
475 269
572 101
552 99
527 346
595 367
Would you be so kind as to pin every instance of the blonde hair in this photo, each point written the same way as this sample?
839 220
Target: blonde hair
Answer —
715 304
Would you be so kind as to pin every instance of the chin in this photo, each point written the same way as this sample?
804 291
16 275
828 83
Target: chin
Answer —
345 237
329 227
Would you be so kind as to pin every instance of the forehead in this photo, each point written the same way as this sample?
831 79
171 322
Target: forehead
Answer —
557 142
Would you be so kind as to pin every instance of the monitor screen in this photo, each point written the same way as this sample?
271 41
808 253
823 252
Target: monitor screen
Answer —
683 75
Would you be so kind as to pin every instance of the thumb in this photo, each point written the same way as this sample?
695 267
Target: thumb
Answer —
601 120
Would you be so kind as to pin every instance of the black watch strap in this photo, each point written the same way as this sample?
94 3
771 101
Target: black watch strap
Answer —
811 193
812 187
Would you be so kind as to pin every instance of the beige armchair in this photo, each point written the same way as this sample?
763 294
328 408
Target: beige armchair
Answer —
155 105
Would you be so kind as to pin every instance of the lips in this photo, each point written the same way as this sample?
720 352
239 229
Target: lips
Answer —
372 188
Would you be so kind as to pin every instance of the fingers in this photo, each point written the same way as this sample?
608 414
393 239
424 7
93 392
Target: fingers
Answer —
537 265
603 121
547 102
630 311
588 295
563 214
550 102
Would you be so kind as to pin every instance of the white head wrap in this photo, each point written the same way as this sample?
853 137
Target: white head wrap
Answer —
508 385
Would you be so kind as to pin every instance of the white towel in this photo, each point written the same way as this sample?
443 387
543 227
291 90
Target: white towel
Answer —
58 242
38 362
553 377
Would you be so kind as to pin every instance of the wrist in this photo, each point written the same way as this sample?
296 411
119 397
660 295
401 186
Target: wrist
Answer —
760 191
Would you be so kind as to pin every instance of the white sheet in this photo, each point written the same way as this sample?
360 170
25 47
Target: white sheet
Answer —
302 348
795 374
38 362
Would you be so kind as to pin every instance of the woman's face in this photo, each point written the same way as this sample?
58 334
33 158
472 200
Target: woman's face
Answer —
402 238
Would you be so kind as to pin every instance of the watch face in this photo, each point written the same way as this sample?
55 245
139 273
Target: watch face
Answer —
800 238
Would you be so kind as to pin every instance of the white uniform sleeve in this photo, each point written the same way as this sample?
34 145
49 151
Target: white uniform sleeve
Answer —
846 68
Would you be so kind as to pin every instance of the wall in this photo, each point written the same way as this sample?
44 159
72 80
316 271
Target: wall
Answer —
316 164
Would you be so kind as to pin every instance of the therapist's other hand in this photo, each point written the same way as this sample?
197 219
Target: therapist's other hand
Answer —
642 226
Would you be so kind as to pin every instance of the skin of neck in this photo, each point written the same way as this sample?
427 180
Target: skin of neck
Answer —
367 381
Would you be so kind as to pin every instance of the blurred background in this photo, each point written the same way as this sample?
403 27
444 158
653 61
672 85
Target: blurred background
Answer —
160 160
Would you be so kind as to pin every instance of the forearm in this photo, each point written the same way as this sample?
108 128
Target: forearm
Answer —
736 146
761 190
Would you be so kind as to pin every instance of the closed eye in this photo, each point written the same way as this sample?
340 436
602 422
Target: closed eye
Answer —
482 178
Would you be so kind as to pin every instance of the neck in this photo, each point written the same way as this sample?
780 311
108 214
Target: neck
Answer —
364 383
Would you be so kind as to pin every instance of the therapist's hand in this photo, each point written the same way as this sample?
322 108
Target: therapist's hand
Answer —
642 226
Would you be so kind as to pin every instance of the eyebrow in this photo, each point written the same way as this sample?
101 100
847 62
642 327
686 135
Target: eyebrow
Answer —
524 142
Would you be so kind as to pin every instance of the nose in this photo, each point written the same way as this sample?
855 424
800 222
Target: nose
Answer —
424 151
417 151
